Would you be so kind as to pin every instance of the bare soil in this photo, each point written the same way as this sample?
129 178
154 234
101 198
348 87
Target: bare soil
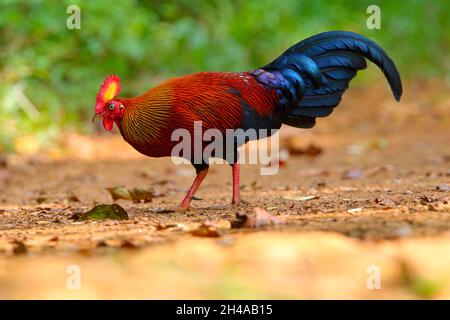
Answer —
381 198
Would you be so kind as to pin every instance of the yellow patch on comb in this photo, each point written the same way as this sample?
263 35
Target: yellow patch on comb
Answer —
110 91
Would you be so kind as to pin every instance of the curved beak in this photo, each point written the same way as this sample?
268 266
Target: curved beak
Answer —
96 117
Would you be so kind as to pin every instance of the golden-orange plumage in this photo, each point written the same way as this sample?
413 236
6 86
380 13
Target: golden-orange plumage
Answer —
214 98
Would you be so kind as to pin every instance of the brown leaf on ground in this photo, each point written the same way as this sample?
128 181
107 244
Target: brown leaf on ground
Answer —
296 146
390 202
118 193
347 189
41 199
143 195
221 224
206 230
18 247
260 218
117 243
160 226
299 197
379 170
352 174
53 239
126 244
443 187
311 172
240 220
135 194
3 161
75 215
73 198
310 151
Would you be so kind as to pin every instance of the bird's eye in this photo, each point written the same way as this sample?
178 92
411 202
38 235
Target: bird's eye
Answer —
111 106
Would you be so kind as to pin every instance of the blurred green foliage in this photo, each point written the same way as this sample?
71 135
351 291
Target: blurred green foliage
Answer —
50 75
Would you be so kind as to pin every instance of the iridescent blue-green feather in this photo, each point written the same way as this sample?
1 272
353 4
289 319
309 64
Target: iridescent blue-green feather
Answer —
311 76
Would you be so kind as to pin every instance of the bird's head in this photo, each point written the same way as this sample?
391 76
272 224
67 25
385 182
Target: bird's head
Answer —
108 106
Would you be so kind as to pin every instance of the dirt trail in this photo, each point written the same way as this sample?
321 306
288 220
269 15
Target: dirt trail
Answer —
381 199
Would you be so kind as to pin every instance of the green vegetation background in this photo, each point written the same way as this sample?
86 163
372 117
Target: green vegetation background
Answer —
49 75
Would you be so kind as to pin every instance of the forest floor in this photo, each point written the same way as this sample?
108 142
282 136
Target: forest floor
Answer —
360 209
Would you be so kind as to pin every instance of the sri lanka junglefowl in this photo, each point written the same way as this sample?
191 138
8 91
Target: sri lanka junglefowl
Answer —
306 82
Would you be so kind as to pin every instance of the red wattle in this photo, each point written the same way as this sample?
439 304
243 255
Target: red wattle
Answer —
108 123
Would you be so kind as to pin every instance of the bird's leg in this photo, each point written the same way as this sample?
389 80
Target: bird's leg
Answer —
235 200
201 174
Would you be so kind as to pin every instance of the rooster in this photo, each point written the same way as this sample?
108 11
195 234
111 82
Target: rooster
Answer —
306 82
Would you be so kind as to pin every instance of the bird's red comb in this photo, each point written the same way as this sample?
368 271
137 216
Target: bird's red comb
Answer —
109 89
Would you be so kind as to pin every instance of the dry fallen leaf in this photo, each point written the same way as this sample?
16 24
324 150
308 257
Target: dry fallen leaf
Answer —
387 202
72 198
380 169
354 210
260 218
206 230
221 224
119 193
311 151
443 187
143 195
352 174
161 226
116 243
299 198
127 244
296 146
348 189
18 247
41 199
135 194
311 172
4 161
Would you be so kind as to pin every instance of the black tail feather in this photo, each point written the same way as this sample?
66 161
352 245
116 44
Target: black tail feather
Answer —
317 71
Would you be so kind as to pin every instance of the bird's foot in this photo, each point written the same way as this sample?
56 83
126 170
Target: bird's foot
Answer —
181 209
